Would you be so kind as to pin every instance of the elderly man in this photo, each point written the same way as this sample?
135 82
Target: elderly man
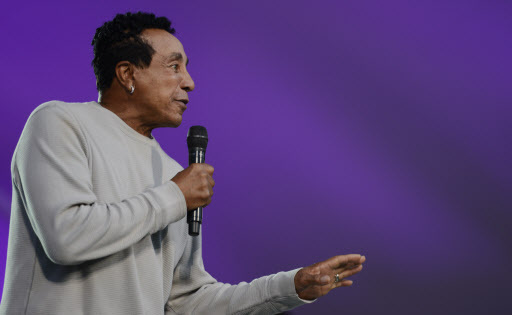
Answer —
98 222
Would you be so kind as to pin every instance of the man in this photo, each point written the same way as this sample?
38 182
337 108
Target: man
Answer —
98 222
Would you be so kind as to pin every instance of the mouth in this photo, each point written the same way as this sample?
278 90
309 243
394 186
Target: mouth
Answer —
183 103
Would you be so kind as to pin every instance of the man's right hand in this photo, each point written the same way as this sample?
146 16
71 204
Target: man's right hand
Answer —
196 184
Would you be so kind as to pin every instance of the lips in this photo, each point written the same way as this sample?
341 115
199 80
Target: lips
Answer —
183 103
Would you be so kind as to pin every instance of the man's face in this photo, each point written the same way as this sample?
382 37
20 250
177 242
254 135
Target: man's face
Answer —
161 89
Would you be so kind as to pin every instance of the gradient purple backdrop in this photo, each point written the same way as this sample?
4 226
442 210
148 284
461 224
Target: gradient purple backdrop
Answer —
373 127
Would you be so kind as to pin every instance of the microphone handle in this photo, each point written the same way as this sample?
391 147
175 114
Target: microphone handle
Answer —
195 217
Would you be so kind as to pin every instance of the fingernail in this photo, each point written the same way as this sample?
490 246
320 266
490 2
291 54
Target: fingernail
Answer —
324 279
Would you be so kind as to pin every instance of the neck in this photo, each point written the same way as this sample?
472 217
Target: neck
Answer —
125 110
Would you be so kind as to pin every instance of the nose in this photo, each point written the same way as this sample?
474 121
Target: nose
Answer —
187 84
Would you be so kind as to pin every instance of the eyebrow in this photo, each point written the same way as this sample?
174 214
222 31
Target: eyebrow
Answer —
178 56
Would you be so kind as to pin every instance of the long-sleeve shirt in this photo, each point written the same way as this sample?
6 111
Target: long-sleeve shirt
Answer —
98 227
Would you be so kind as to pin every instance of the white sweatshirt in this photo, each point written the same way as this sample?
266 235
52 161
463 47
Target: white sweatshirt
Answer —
98 227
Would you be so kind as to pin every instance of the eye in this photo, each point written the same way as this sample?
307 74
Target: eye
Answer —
175 67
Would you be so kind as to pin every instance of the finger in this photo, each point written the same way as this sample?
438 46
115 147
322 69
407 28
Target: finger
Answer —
350 272
346 274
211 181
208 200
209 169
210 192
343 260
208 196
196 167
348 266
344 283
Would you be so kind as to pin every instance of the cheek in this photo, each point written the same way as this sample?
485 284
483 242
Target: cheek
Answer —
175 81
163 86
167 85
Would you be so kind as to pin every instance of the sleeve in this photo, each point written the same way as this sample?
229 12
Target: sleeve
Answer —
50 169
194 291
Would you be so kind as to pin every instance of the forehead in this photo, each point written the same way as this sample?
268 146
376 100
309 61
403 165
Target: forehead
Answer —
163 42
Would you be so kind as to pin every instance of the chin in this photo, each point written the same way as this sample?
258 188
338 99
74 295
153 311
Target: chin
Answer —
175 122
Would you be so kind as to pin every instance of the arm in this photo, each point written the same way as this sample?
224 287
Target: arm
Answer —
50 169
194 291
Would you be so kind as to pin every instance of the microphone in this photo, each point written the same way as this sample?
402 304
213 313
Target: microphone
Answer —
197 139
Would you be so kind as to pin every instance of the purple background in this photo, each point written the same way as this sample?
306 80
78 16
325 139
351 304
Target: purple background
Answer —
373 127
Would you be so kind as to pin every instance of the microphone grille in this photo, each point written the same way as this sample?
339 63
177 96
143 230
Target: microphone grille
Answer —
197 137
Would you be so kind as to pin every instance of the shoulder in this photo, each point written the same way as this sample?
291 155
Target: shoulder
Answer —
52 123
60 109
65 117
51 129
51 120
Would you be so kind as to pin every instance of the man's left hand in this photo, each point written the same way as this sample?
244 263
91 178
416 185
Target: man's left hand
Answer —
318 279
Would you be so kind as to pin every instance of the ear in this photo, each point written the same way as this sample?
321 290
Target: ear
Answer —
124 74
